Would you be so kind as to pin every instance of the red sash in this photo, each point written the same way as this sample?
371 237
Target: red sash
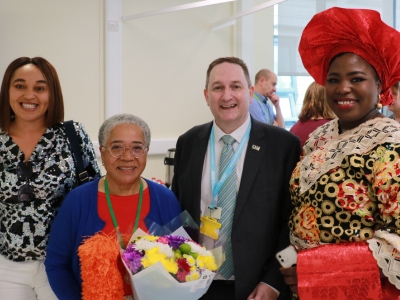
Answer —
341 271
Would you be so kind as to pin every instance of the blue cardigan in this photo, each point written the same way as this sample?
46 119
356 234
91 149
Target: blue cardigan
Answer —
78 218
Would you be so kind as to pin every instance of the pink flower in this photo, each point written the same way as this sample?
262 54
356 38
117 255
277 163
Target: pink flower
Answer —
183 269
162 240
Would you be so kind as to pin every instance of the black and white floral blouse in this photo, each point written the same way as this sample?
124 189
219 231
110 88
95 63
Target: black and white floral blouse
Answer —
24 227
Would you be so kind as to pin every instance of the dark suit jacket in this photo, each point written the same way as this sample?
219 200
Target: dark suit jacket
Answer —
263 206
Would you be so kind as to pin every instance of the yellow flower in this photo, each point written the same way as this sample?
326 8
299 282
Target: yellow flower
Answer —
206 261
170 265
190 260
194 275
151 238
154 255
200 263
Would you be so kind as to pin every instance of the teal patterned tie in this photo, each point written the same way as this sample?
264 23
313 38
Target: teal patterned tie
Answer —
227 201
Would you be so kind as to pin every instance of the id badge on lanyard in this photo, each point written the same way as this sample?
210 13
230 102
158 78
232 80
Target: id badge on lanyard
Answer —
209 222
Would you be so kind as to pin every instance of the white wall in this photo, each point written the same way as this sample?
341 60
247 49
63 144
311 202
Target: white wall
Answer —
69 35
164 62
164 58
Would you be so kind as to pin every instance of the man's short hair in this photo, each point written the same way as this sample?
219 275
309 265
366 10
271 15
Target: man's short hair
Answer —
232 60
262 73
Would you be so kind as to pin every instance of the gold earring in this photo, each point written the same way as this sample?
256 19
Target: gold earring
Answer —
379 104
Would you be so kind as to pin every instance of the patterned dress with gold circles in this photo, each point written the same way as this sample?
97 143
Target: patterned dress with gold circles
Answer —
346 186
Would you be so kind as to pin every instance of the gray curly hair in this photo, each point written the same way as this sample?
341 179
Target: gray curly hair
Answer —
110 123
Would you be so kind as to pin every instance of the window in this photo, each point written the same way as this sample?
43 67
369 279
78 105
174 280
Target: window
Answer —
290 18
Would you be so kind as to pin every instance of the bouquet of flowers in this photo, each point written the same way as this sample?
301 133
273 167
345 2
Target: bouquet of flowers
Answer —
181 257
169 264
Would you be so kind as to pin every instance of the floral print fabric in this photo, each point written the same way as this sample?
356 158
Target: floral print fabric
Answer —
346 186
24 227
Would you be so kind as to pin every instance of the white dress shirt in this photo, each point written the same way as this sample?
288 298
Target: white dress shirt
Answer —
206 192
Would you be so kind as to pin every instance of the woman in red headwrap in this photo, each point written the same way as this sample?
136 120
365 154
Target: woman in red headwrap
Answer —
345 189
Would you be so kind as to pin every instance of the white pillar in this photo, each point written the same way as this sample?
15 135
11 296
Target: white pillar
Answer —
245 34
113 50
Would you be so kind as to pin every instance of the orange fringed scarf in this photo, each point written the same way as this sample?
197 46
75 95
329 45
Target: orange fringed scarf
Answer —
101 278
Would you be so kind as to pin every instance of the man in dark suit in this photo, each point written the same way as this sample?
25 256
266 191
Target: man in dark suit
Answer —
266 157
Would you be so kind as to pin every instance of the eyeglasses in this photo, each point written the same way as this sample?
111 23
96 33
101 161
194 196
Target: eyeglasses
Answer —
118 151
24 173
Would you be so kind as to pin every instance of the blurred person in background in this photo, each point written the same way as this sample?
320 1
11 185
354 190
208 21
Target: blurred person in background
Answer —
264 94
314 113
395 106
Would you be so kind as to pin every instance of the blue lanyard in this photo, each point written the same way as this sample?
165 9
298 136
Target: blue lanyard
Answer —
264 108
216 186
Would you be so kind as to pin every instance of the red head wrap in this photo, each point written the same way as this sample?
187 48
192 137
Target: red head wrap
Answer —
360 31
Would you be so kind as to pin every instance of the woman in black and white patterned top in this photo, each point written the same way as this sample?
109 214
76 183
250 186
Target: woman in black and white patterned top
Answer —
37 170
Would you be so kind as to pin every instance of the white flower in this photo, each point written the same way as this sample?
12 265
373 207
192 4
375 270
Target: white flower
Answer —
143 245
198 249
190 260
165 248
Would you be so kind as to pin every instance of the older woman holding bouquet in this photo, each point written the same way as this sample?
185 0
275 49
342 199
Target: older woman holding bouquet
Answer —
122 201
345 188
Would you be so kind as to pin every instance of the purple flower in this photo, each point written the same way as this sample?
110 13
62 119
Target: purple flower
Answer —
175 241
130 248
135 265
133 258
